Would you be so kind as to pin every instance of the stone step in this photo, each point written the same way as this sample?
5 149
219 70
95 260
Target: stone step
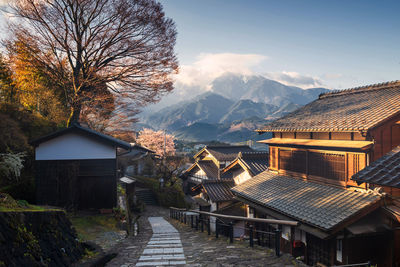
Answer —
162 257
160 263
162 250
146 196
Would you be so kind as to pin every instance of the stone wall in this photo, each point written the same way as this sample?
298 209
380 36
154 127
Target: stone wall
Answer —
37 239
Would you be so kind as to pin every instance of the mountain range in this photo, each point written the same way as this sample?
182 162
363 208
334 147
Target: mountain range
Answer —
235 106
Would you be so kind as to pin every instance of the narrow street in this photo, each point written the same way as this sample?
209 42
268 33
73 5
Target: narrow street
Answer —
166 242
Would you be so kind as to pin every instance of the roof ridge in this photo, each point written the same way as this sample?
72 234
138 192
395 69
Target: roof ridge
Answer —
226 146
360 89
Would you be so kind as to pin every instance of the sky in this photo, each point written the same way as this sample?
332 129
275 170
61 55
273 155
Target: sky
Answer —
310 43
333 44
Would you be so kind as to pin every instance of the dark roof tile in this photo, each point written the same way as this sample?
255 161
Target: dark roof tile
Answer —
385 171
356 109
86 131
209 168
218 190
227 153
319 205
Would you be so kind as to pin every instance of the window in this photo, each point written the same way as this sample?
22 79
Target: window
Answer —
327 165
286 232
339 249
250 212
292 160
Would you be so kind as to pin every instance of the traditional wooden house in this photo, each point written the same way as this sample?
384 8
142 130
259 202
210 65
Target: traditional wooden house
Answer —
76 168
385 173
313 154
209 163
137 161
246 165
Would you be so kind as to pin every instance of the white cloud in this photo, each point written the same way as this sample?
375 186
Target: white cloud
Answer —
295 79
208 66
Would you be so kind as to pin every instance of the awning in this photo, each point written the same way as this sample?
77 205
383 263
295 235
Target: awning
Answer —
127 180
359 145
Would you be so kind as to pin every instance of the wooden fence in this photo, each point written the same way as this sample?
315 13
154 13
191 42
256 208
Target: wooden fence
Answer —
201 219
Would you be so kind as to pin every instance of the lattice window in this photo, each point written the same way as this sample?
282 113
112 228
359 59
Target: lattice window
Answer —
327 165
292 160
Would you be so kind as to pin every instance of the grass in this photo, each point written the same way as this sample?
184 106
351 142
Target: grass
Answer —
8 204
28 208
88 227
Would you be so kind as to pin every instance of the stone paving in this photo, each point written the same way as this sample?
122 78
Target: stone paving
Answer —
164 247
199 249
204 250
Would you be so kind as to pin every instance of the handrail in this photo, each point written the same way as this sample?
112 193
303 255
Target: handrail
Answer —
273 221
355 264
181 215
178 209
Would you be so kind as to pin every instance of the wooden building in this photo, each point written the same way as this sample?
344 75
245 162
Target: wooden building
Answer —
246 166
385 173
76 168
208 165
137 161
314 152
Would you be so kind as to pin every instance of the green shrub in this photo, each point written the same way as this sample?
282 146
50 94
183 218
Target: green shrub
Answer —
25 189
169 196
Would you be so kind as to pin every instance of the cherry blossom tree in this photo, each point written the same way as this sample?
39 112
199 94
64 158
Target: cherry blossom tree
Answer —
158 141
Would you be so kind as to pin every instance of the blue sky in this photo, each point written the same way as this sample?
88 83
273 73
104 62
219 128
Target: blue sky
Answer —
334 44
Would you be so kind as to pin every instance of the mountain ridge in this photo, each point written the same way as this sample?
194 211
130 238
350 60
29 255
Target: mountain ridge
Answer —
224 112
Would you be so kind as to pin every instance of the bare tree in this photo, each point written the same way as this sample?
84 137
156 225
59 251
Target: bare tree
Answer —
86 44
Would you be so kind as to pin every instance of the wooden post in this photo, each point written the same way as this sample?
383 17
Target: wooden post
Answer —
191 220
184 218
251 236
201 223
231 232
208 226
197 223
216 227
278 242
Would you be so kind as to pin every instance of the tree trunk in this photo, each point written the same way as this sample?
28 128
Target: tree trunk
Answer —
74 114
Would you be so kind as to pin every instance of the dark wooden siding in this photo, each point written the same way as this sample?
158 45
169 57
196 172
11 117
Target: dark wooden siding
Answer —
386 137
82 184
273 154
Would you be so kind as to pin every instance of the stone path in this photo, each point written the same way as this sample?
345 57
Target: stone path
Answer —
164 247
199 248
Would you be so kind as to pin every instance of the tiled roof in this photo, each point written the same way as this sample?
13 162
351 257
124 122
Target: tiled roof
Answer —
357 109
218 190
227 153
256 162
77 128
384 171
315 204
209 168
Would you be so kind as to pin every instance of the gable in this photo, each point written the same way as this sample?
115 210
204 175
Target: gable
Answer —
74 146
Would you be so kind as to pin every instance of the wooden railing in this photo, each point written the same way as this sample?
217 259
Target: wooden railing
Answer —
367 264
201 219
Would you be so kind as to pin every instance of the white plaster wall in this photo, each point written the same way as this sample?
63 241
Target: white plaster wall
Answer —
74 146
240 177
200 173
